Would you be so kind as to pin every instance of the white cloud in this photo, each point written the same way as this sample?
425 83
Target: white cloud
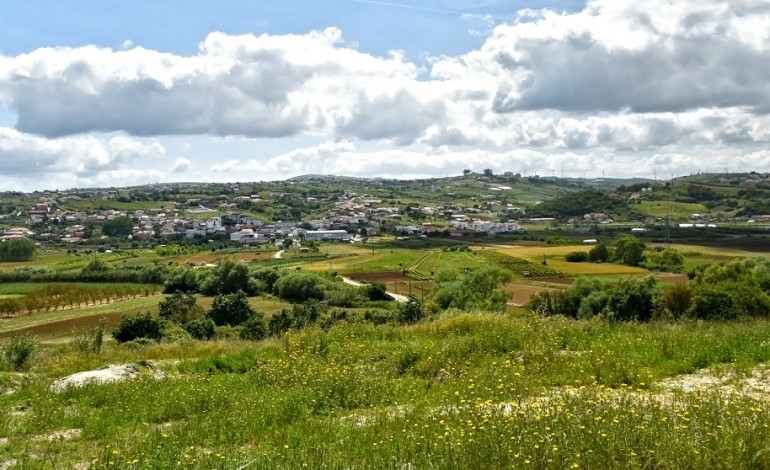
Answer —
181 165
32 158
645 81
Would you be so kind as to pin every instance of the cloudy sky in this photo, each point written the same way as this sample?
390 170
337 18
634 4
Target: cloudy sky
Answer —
122 93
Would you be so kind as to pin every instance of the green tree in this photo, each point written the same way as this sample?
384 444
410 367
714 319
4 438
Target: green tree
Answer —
180 308
599 253
629 249
20 249
231 309
118 226
229 277
710 304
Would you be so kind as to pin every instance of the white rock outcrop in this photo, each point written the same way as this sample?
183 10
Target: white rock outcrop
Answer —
108 374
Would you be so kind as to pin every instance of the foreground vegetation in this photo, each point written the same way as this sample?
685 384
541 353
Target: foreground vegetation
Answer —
461 391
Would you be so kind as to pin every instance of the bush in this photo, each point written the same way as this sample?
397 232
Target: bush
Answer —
140 325
668 260
676 300
231 309
376 291
380 316
299 287
254 328
576 257
18 352
411 311
713 305
90 340
202 329
300 316
182 279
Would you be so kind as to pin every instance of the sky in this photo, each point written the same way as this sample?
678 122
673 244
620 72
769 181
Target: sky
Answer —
115 93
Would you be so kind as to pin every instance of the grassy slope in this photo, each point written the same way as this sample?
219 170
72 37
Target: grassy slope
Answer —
468 391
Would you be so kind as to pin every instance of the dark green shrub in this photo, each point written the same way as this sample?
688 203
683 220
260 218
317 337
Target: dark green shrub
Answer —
676 300
279 323
599 253
254 328
140 325
713 305
299 286
576 257
182 279
380 316
376 291
202 329
631 300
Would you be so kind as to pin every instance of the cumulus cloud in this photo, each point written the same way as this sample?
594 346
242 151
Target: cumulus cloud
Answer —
29 157
181 165
681 80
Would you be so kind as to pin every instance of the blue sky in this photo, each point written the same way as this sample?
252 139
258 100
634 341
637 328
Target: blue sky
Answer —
117 93
418 27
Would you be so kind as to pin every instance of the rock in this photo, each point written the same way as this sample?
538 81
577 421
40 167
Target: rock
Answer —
109 374
62 435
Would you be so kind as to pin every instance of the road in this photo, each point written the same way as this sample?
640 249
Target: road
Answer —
396 297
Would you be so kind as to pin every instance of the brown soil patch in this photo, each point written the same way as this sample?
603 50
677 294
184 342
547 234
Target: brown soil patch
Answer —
523 292
63 328
673 278
564 281
381 277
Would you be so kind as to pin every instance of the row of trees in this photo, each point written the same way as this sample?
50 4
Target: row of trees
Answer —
296 286
57 296
20 249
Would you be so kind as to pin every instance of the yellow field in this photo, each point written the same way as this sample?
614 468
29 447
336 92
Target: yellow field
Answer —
594 269
717 252
537 252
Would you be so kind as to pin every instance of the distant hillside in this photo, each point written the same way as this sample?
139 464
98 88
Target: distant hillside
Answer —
579 203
